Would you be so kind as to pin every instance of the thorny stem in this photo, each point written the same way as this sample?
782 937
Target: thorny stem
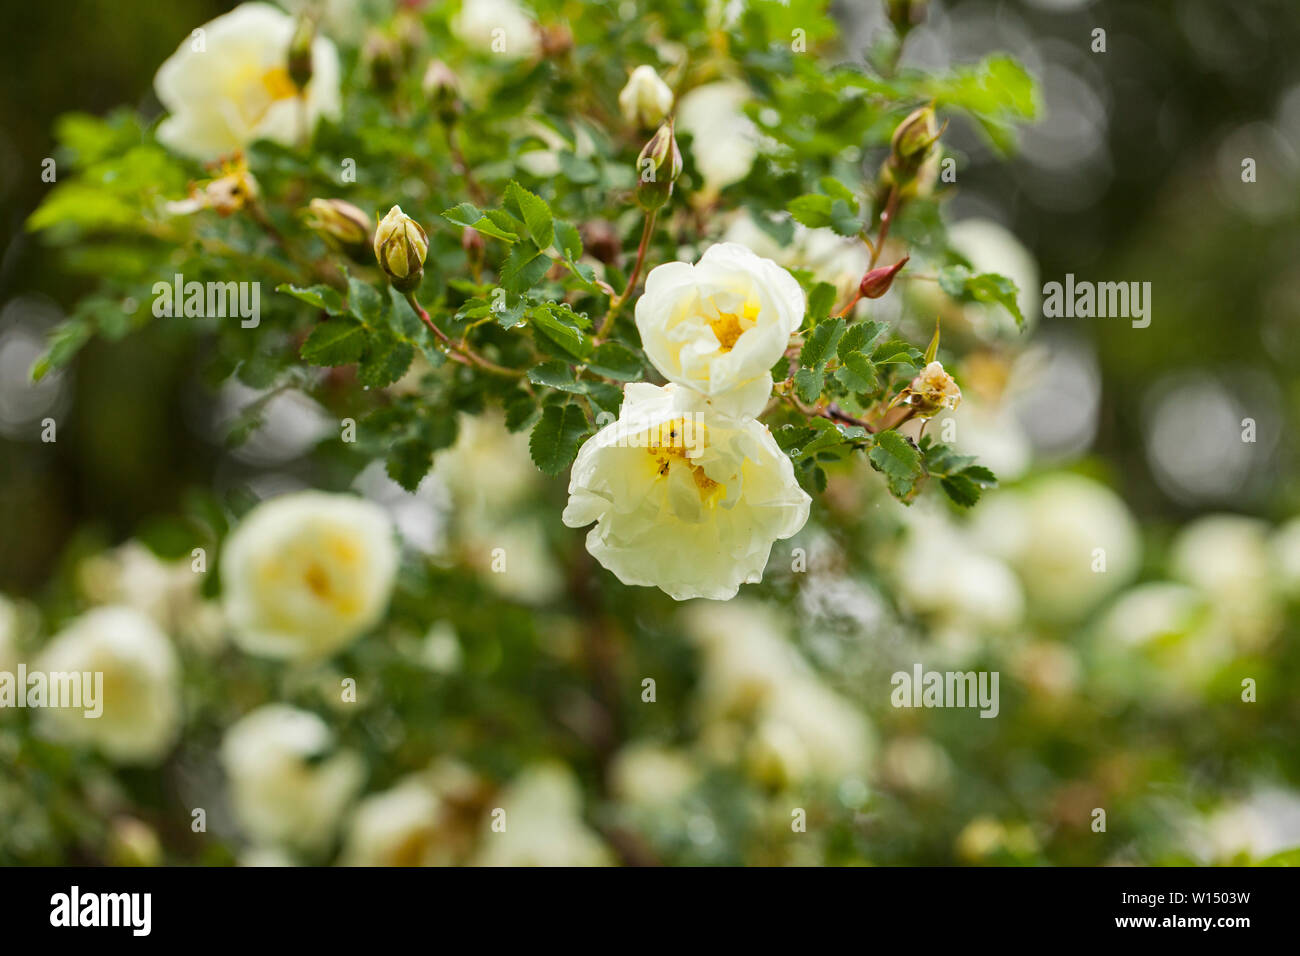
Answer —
460 353
646 231
886 220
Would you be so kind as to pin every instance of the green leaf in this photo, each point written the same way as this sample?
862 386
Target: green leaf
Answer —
338 341
317 296
900 462
535 213
554 322
811 209
844 219
386 360
820 302
820 344
556 437
365 302
408 461
808 384
469 215
857 373
554 374
616 361
568 240
963 492
524 268
988 287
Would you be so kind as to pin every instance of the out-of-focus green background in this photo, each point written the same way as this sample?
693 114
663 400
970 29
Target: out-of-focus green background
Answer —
1134 174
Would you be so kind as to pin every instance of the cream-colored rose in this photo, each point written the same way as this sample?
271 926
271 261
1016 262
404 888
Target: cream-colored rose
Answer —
646 99
1072 541
724 142
398 827
683 499
650 775
496 26
228 85
288 786
543 824
140 690
719 326
305 574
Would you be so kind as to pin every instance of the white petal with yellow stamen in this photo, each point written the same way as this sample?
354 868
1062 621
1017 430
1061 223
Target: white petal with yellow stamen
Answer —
683 499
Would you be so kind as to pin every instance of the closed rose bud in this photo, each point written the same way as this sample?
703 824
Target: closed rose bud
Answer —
877 282
343 226
912 166
442 88
556 40
905 14
401 245
382 56
299 66
646 99
658 167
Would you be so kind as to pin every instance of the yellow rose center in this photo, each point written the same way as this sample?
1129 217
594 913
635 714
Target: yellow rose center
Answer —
669 444
277 84
728 326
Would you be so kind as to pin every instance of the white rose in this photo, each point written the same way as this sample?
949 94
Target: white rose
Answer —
724 141
719 326
839 260
1072 541
141 684
646 99
236 88
398 827
286 787
650 775
496 26
543 824
683 499
307 573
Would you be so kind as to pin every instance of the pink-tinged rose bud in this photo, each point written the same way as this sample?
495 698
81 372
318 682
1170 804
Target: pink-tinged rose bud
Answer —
877 282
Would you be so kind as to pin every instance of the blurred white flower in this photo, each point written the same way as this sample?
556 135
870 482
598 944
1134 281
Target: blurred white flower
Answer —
1260 826
306 574
543 824
1286 556
496 26
752 676
1071 540
141 684
1171 627
648 774
288 786
718 326
646 99
839 260
398 827
990 432
9 624
724 141
229 85
1228 558
942 575
916 764
683 499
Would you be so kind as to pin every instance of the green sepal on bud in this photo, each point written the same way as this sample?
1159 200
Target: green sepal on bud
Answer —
401 245
343 226
912 166
658 167
299 66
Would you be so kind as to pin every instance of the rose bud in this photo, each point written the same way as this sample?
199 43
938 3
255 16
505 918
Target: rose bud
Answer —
877 282
401 245
658 167
343 226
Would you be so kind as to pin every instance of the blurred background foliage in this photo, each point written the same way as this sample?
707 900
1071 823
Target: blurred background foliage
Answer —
1124 695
